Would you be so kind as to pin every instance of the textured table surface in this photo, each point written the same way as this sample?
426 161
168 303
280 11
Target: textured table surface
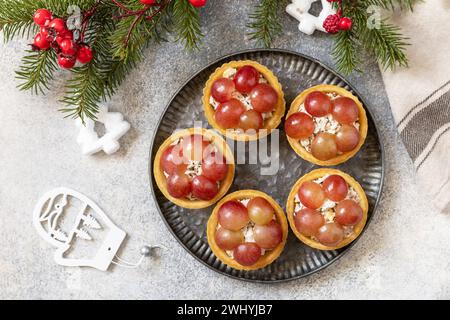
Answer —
403 254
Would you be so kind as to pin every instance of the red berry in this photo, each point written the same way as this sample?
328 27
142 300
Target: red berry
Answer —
345 24
147 2
198 3
41 42
66 62
68 47
58 24
46 33
331 23
84 54
67 34
42 16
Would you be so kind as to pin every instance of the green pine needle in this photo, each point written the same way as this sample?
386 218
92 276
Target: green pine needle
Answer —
83 93
89 84
391 4
386 42
36 71
133 34
186 21
16 18
265 21
345 52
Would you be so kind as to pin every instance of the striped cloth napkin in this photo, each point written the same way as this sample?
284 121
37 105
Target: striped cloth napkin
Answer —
420 96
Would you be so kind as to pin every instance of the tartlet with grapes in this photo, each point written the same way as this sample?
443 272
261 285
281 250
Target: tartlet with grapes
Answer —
326 125
194 168
247 230
327 209
243 100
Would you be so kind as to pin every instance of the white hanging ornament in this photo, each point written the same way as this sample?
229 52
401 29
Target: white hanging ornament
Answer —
299 9
89 221
115 127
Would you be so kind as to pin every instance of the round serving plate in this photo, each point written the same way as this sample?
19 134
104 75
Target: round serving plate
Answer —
296 72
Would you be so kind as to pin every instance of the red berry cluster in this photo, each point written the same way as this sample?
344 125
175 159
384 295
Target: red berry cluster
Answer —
54 34
335 22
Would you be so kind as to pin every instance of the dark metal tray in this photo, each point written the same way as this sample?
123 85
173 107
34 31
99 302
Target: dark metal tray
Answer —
296 72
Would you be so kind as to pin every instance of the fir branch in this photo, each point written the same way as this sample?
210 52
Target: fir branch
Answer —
136 28
345 52
36 70
265 22
87 87
186 21
385 42
83 93
390 4
59 8
16 18
130 38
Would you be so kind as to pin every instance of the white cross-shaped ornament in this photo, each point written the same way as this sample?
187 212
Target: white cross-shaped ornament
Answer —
115 127
299 9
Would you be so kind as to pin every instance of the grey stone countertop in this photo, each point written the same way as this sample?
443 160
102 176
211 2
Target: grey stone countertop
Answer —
403 254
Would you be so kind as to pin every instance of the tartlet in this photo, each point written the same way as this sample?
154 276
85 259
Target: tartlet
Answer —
266 76
267 256
219 146
303 146
328 210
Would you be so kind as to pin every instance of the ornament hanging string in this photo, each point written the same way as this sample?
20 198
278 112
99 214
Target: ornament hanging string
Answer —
146 251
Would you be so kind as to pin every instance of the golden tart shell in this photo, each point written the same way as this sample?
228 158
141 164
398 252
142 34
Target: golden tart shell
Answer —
225 184
302 152
269 124
315 174
269 256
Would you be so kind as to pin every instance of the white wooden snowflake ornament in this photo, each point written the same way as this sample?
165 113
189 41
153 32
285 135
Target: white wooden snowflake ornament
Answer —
299 9
115 128
89 225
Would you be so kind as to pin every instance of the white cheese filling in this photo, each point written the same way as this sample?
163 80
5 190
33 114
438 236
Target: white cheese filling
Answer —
328 207
243 98
323 124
